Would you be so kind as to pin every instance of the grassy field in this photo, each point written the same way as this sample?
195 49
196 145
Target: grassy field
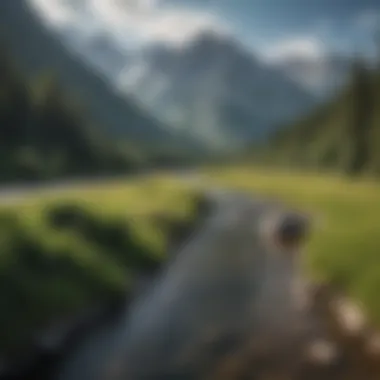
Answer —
345 245
50 271
135 200
52 266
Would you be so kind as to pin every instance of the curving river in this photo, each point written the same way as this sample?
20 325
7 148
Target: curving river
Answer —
208 294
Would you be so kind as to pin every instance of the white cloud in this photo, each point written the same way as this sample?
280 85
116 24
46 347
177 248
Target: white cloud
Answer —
149 20
56 12
154 23
305 47
368 20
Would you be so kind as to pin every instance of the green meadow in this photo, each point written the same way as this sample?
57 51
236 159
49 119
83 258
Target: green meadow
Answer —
63 252
344 247
52 265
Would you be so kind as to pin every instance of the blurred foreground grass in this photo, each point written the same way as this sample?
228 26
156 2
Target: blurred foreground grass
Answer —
48 271
135 200
62 252
345 245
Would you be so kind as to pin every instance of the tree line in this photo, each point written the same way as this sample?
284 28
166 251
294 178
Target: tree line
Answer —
342 134
44 133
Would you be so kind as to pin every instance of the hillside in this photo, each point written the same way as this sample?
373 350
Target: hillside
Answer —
68 255
37 49
342 135
323 77
45 135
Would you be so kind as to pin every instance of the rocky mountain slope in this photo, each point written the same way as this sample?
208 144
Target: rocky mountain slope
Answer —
37 51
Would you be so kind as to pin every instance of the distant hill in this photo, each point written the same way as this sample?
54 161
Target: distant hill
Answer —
343 134
36 50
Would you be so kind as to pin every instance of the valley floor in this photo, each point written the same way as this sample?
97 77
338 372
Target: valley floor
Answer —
343 250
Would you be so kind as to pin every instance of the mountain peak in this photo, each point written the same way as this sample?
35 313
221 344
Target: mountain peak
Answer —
212 41
217 88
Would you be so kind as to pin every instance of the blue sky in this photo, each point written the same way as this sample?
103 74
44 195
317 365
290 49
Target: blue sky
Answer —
273 28
341 24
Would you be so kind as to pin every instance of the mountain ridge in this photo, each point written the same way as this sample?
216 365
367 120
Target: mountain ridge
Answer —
38 50
218 84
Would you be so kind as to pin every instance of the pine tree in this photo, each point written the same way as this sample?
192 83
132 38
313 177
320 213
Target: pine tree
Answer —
362 108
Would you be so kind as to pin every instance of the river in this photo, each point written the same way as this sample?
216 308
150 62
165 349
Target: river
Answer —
212 283
214 275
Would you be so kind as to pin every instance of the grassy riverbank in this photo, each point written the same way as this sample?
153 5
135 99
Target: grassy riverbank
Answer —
52 267
64 252
345 246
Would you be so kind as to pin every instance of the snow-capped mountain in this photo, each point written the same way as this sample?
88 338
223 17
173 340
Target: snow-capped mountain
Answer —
215 87
210 87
